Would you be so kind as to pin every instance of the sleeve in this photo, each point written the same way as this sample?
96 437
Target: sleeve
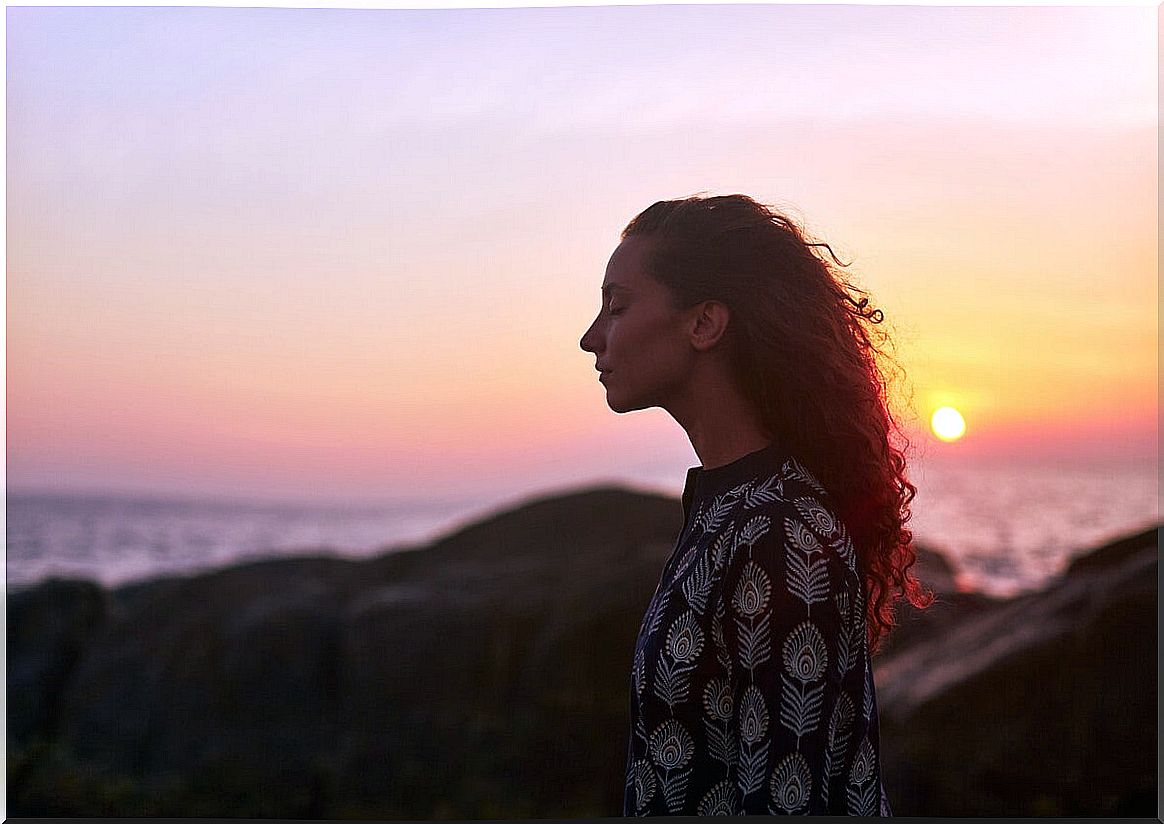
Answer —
787 644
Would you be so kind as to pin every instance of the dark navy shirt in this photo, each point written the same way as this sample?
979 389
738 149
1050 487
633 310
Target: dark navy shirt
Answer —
751 687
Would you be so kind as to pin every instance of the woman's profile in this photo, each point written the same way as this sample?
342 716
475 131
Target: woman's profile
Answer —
751 685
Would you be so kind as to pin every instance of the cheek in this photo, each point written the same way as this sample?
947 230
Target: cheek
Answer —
659 347
629 339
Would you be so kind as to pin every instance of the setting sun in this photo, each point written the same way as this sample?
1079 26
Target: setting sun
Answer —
948 423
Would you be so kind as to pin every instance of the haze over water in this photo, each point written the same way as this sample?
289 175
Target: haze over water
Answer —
1005 530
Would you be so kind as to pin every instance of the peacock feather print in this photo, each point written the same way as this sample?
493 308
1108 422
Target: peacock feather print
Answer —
805 656
721 549
819 519
794 470
685 638
808 577
800 536
845 645
711 519
671 681
840 726
644 785
720 744
660 606
717 699
753 716
753 640
675 788
722 656
862 793
752 530
765 493
790 785
696 587
740 489
800 706
752 763
719 800
753 589
863 764
717 702
862 801
671 745
639 671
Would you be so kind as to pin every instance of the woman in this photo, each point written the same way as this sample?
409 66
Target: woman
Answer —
751 686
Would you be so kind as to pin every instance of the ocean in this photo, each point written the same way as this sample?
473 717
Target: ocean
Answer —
1005 529
1010 529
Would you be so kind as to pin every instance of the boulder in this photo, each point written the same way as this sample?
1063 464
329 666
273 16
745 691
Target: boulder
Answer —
484 675
49 628
1040 705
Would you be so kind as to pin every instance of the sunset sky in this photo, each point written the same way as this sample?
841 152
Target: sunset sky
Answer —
348 255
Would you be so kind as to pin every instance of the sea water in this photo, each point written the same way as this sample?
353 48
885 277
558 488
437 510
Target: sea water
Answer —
1005 529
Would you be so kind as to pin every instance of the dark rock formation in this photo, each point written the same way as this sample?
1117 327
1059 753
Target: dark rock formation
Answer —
53 626
950 605
1041 705
487 675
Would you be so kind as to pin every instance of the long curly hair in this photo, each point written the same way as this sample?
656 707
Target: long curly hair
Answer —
806 347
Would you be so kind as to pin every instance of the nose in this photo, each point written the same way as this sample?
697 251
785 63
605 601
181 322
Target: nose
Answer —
590 341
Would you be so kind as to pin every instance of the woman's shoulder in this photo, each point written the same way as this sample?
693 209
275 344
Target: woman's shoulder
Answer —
788 508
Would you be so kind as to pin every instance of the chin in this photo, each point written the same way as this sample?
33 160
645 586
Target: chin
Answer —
620 405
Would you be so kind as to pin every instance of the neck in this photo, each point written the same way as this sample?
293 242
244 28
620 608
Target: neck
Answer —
720 422
715 449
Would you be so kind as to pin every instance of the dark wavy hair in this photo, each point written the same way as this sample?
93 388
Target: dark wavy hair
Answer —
806 348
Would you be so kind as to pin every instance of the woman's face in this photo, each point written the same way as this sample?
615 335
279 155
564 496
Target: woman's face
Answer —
640 341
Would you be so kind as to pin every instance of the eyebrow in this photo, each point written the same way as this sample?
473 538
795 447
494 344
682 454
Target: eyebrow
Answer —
611 286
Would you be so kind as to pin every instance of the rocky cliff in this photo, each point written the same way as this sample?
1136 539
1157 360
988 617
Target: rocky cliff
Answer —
486 675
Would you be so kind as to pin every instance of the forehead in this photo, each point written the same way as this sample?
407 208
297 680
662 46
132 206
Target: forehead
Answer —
626 268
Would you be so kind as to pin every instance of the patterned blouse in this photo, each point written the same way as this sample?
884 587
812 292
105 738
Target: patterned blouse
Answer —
751 687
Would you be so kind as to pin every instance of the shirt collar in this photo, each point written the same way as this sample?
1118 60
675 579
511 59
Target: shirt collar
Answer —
702 483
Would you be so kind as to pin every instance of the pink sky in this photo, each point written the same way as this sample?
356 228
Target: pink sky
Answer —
349 254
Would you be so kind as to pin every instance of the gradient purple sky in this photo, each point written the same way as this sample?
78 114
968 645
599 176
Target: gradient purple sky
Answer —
348 254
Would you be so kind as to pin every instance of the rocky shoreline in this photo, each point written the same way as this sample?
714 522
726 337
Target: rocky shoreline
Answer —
485 676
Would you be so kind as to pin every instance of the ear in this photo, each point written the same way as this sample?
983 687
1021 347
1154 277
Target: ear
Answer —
708 324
